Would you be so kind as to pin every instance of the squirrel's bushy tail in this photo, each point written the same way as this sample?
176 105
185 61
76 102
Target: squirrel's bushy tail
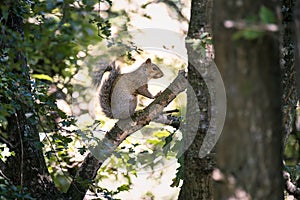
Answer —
98 72
106 90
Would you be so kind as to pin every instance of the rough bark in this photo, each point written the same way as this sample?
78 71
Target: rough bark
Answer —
197 182
288 68
297 46
249 154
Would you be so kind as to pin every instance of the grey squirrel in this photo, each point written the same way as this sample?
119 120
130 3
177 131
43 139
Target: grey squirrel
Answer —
118 93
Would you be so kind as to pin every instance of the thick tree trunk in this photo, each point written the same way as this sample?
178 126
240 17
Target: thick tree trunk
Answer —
249 154
197 182
27 168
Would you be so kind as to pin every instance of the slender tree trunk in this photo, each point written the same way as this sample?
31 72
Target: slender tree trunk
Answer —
288 68
249 154
297 31
197 182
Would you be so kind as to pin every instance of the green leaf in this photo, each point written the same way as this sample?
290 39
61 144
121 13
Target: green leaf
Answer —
247 34
124 187
153 141
250 34
42 77
82 150
161 134
204 35
266 15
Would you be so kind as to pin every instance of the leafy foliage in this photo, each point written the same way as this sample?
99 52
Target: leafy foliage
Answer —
266 15
109 194
56 38
201 44
292 156
254 25
10 191
5 152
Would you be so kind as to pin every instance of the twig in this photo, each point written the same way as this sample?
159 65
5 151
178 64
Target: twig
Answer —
243 25
22 153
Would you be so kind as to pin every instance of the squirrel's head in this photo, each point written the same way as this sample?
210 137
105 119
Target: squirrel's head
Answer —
152 70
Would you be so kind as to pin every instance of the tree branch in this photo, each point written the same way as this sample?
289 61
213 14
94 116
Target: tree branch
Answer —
121 130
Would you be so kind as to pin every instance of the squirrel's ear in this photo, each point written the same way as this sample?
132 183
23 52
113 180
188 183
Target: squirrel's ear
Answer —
148 61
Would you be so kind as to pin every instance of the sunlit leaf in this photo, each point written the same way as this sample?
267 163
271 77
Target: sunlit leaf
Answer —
161 134
42 77
124 187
